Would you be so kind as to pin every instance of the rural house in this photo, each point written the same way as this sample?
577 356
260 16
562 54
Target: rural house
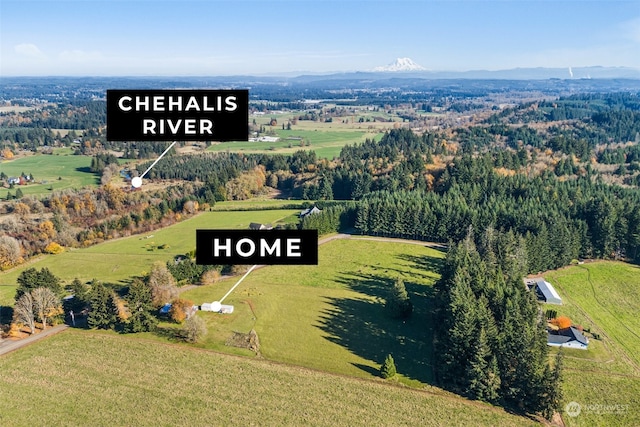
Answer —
568 337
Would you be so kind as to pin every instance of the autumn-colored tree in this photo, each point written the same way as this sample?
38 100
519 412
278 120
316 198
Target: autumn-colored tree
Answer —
190 207
21 209
114 196
561 322
162 284
46 304
53 248
7 154
180 308
10 252
47 230
210 277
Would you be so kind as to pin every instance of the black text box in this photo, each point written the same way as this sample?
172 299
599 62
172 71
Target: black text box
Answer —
177 115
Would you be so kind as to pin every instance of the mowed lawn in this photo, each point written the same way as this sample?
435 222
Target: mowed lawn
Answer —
103 379
121 259
332 316
50 171
603 296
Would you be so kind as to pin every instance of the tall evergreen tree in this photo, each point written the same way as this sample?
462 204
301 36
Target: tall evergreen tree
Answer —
140 300
104 312
31 279
398 303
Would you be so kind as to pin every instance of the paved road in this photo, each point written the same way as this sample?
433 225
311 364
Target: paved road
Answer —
10 345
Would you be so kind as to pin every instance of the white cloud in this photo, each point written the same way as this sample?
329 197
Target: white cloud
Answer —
28 50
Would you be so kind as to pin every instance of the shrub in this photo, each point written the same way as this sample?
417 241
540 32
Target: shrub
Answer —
53 248
388 368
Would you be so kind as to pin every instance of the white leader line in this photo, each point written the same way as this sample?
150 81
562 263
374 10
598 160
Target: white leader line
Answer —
158 159
238 282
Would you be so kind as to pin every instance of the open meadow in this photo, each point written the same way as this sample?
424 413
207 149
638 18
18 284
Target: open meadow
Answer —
120 259
326 143
603 297
51 172
326 139
103 379
332 316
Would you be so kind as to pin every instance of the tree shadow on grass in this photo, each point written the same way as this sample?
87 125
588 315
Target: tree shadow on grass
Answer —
367 368
426 263
363 326
171 334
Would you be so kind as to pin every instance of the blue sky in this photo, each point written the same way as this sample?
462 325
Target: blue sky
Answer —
181 38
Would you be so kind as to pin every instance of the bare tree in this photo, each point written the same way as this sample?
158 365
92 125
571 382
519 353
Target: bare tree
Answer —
194 329
10 224
162 284
45 304
23 312
10 251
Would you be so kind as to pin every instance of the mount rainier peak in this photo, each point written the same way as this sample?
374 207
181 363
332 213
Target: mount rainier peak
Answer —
401 64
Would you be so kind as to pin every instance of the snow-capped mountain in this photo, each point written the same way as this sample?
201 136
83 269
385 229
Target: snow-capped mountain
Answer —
401 64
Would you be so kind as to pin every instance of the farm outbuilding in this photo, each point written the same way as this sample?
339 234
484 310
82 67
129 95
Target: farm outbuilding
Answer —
224 309
544 291
310 211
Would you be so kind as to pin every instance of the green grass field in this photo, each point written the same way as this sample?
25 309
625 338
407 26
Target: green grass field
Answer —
73 172
120 259
605 379
331 316
326 142
102 379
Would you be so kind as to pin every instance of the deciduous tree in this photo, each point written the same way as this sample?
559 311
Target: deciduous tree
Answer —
23 312
194 329
162 284
46 304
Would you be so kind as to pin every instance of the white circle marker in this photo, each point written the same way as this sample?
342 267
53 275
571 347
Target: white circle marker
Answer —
136 182
216 306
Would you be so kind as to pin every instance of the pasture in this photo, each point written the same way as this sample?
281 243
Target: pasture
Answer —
326 143
332 316
120 259
105 379
604 297
325 138
51 172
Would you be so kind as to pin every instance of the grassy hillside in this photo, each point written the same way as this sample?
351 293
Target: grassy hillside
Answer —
332 316
605 380
102 379
120 259
73 172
